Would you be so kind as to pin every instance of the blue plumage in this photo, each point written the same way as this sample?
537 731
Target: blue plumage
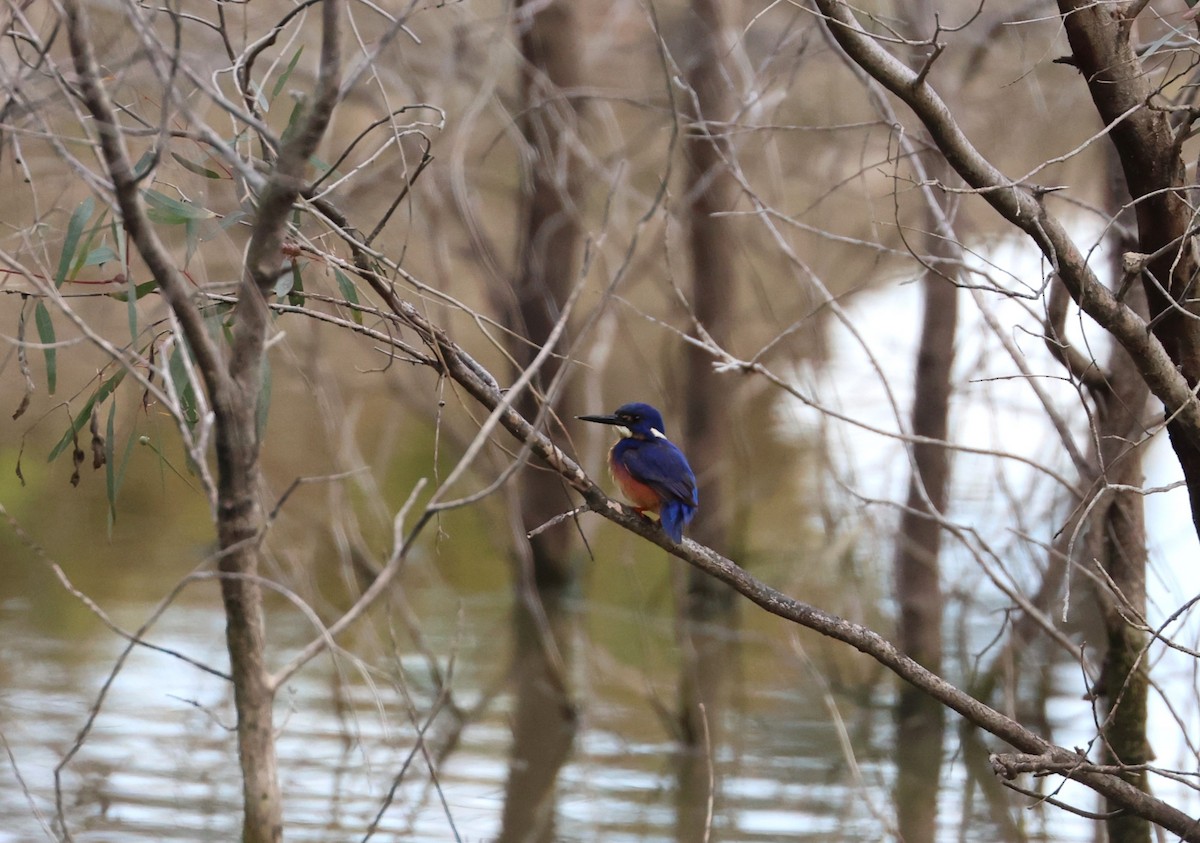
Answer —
651 471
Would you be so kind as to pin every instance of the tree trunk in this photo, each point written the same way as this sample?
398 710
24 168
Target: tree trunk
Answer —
1156 177
710 191
917 568
239 526
544 716
1119 542
1120 539
920 726
546 267
707 429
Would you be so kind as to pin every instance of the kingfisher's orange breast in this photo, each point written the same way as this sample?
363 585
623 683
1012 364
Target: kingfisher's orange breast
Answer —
637 493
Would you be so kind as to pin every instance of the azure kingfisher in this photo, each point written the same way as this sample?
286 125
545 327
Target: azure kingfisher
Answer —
652 472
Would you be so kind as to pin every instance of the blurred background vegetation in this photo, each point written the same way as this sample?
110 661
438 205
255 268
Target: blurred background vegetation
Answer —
824 233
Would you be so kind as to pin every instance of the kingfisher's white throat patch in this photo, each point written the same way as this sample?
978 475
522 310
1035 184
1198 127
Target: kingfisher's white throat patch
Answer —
624 431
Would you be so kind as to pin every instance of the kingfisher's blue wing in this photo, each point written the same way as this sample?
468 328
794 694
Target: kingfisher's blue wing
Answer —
664 468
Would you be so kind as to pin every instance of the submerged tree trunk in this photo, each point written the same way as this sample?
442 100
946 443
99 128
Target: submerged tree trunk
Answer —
711 191
550 239
917 568
917 577
544 716
918 546
705 605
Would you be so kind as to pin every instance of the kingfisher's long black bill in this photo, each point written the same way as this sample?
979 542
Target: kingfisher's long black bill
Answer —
600 419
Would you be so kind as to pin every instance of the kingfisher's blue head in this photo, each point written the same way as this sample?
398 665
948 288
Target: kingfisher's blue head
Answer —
636 421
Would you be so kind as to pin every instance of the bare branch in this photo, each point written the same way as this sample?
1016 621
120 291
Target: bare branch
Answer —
1021 207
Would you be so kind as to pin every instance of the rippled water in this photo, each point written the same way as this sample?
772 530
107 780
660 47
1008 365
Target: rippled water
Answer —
160 763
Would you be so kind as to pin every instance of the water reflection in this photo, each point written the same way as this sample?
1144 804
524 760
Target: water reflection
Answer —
565 741
544 717
920 723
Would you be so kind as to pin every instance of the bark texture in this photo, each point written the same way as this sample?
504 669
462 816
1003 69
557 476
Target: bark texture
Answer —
1118 543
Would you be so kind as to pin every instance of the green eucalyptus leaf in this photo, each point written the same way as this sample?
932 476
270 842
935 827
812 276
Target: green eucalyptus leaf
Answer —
75 225
349 293
163 209
296 294
98 256
138 291
193 167
85 415
283 77
45 329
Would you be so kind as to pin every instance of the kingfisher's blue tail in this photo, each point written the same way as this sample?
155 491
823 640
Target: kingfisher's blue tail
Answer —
674 515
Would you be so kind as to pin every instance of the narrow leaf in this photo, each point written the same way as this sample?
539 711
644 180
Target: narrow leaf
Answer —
129 443
144 163
45 329
26 373
283 78
76 459
85 414
110 473
349 293
296 296
118 236
294 120
230 220
99 256
284 284
193 167
319 164
75 225
164 209
191 229
99 452
84 251
183 384
138 291
1162 42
